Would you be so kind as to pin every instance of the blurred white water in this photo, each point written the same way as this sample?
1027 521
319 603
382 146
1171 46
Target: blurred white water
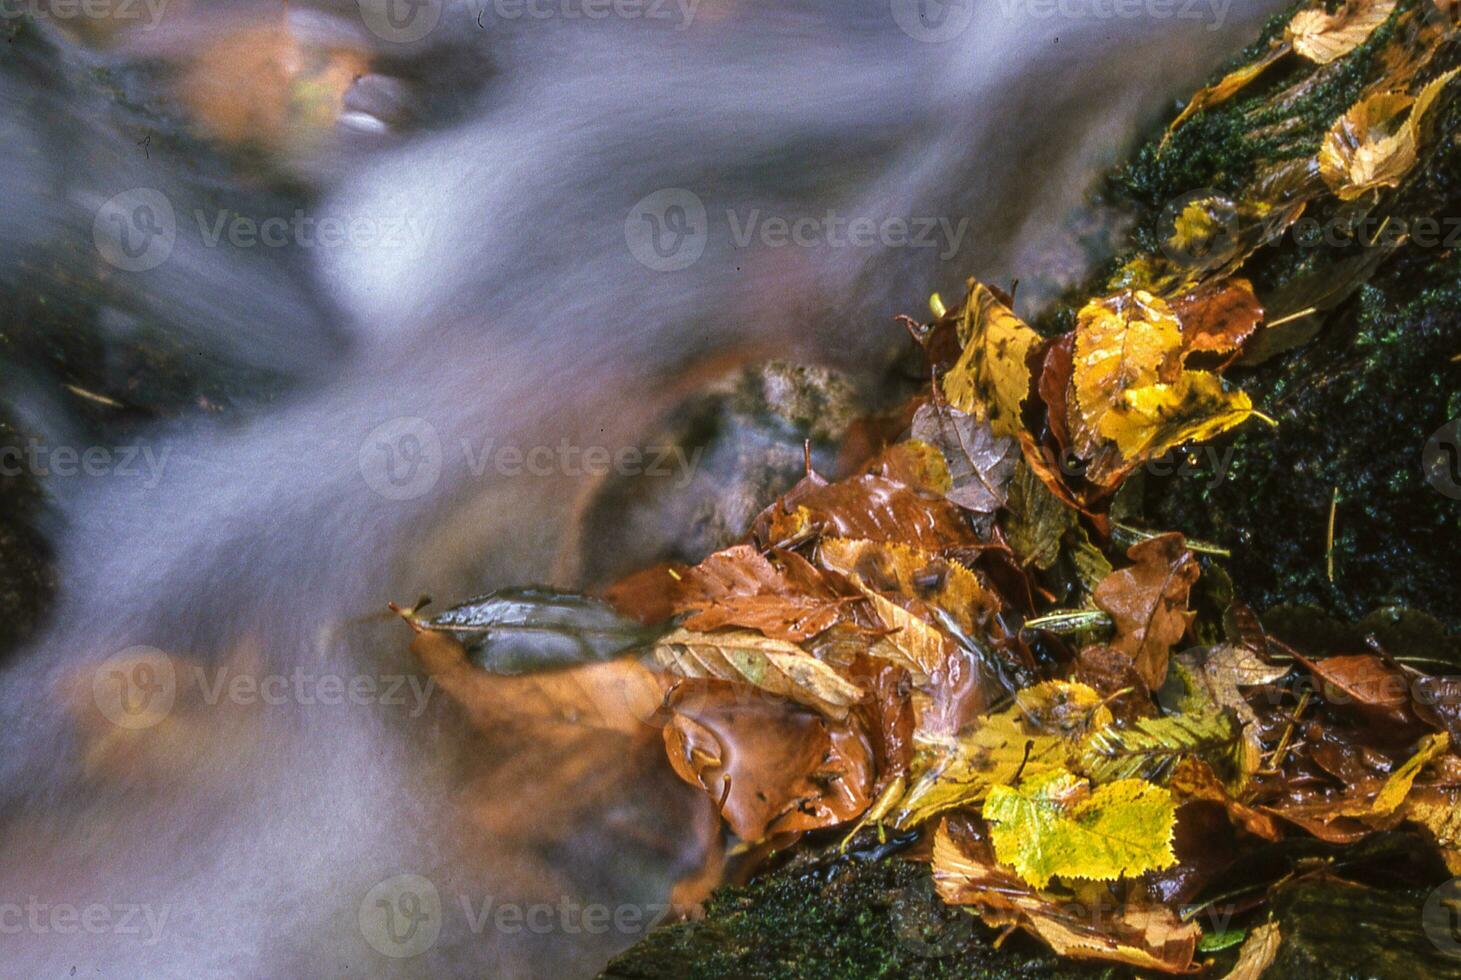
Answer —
510 307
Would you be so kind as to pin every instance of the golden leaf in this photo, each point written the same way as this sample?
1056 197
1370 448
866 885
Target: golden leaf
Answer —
1369 147
991 377
1150 421
1121 343
911 573
1054 824
1230 85
954 772
1323 37
746 657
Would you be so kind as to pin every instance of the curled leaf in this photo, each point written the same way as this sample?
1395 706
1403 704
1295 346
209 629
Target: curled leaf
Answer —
1370 146
1323 37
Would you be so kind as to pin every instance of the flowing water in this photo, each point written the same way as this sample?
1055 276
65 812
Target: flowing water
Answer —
543 275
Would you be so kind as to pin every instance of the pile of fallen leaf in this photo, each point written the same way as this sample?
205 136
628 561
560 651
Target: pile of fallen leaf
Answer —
966 637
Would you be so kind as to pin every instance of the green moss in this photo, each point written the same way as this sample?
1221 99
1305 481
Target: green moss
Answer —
864 915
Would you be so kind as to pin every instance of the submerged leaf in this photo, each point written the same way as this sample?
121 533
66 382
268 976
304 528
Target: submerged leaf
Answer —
771 768
1054 824
519 631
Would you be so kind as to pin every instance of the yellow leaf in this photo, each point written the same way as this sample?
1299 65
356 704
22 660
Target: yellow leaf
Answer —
1065 709
1150 421
911 573
1369 147
1121 343
1322 37
948 773
748 657
1054 824
1230 85
991 377
1397 787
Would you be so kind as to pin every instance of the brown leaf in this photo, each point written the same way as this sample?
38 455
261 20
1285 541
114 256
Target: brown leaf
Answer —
1365 685
866 506
980 464
1194 779
1257 954
1148 603
771 768
965 873
1218 318
1111 672
618 695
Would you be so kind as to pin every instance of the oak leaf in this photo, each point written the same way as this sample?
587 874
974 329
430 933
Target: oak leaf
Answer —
1148 603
